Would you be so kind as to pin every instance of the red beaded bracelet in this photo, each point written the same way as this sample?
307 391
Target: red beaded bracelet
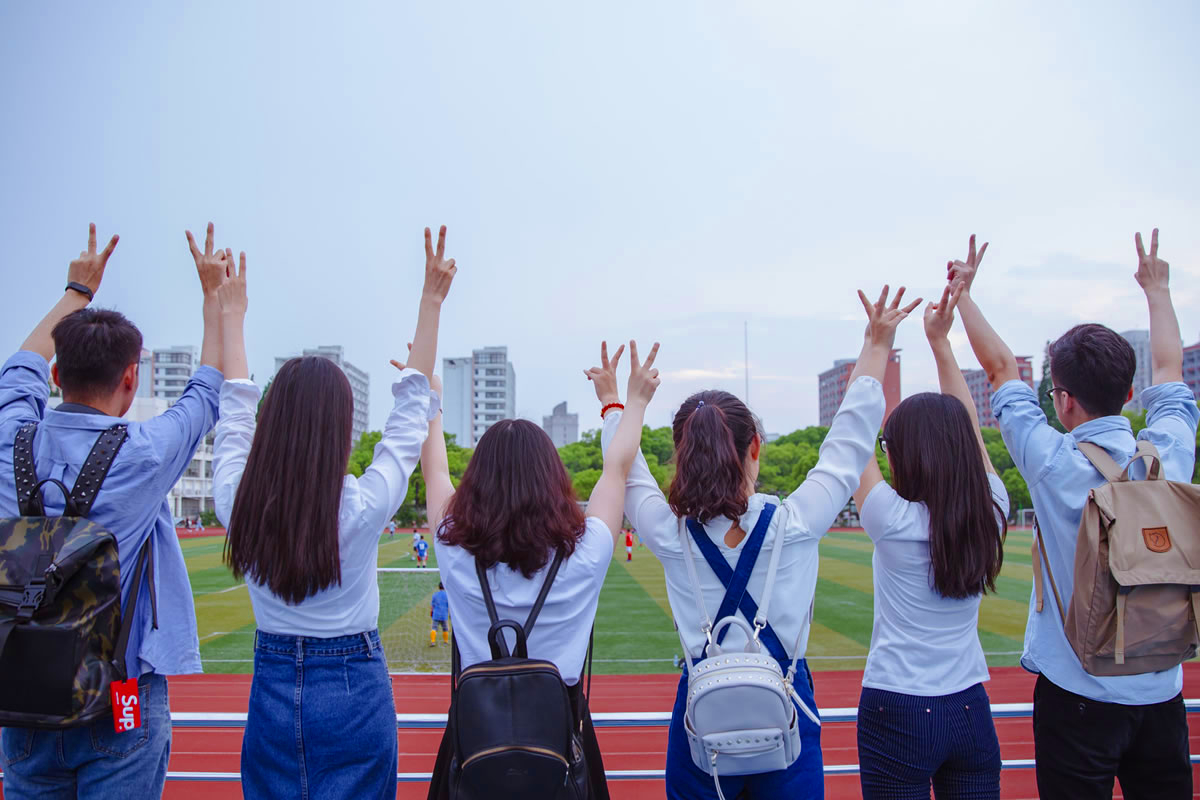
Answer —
604 410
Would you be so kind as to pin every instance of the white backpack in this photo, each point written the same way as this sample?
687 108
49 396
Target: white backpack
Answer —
740 718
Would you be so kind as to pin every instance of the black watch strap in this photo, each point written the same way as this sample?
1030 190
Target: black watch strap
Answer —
83 290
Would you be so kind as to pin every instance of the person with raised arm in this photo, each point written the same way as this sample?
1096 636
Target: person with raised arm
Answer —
304 535
924 717
97 353
1090 729
512 521
718 442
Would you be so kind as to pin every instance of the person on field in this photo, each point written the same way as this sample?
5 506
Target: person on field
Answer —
416 538
97 353
304 535
628 545
717 447
1088 729
924 717
439 612
422 552
512 512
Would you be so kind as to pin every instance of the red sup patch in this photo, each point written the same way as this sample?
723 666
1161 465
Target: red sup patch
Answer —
127 711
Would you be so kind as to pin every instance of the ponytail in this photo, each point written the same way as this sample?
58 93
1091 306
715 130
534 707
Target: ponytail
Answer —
712 432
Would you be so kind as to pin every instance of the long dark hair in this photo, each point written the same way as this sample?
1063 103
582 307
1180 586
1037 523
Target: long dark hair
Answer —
283 531
713 431
515 504
935 460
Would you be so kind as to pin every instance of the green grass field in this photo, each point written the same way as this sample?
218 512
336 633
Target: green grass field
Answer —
634 633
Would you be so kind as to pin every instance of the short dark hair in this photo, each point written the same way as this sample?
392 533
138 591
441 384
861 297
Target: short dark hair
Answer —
936 460
1096 365
713 431
515 504
283 531
93 348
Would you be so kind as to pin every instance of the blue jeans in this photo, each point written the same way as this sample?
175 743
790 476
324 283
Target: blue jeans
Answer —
805 778
321 722
907 742
93 761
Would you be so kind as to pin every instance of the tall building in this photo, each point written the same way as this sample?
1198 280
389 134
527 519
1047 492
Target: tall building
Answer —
981 389
1140 342
563 428
360 384
172 367
1191 369
146 374
480 390
833 382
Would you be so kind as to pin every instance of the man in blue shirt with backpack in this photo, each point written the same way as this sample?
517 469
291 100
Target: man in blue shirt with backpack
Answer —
98 353
1089 728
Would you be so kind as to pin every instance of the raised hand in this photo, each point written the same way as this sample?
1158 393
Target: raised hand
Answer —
88 269
643 378
964 271
435 382
604 377
882 318
212 267
439 271
1152 272
939 317
232 293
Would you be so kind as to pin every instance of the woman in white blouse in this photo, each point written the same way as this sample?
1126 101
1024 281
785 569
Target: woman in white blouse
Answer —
924 718
717 447
304 535
512 511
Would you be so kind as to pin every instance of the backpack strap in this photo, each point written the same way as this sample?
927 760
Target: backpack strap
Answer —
495 637
1041 566
96 466
1102 461
29 501
551 573
128 613
1148 452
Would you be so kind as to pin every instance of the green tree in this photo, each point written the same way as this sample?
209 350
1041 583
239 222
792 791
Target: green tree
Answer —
1047 402
584 482
262 399
1137 420
997 451
363 453
1018 492
208 518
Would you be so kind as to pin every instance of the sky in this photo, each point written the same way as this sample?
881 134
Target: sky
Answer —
676 172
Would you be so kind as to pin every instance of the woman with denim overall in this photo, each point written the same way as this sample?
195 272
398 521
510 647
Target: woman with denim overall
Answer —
304 535
717 447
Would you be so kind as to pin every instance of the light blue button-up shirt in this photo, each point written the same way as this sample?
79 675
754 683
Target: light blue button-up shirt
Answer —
132 503
1059 479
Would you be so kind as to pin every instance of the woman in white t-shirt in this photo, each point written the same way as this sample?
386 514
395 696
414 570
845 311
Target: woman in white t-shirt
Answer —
924 717
514 508
731 530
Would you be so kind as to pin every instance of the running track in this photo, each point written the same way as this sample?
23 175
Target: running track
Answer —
216 750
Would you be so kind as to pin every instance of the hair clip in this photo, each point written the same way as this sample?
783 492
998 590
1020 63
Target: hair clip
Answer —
699 403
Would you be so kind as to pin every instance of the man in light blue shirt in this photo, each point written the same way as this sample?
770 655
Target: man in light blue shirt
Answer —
1089 729
98 352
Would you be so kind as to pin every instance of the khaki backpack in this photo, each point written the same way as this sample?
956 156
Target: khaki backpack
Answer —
1136 604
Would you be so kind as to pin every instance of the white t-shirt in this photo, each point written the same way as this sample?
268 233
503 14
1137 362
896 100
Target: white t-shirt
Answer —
561 631
922 643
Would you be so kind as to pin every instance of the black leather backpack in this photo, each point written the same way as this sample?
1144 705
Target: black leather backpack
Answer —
516 732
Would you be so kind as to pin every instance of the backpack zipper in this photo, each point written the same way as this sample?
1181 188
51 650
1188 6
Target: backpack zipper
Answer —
541 751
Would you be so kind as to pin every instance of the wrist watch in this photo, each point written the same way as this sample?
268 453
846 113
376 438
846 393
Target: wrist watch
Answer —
82 289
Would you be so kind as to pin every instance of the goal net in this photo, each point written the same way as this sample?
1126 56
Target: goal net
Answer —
405 594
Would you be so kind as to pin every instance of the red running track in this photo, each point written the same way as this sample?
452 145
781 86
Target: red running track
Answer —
217 750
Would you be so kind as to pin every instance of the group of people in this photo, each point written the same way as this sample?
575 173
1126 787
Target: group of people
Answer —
511 538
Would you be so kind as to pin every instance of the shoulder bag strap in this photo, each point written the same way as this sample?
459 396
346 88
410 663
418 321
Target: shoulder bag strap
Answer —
96 466
129 613
760 619
694 577
559 555
1147 451
1102 461
481 573
29 500
1041 565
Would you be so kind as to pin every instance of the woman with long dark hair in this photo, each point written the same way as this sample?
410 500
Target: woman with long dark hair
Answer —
924 717
304 535
713 518
513 512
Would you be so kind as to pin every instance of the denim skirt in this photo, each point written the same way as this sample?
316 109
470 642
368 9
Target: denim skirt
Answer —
321 722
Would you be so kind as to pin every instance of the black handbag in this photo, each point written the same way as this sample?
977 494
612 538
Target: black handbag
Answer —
517 734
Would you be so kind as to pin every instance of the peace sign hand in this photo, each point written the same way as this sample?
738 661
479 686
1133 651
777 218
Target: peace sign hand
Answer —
965 270
212 267
604 377
88 269
1152 273
882 318
643 378
939 318
439 271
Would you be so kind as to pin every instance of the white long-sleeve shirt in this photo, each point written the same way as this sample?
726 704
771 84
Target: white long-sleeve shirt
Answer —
802 519
367 504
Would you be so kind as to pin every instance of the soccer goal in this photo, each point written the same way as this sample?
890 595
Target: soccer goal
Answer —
1025 518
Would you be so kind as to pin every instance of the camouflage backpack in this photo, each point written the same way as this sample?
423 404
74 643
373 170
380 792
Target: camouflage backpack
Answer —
62 636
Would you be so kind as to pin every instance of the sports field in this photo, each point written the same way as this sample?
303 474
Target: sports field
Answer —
634 633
